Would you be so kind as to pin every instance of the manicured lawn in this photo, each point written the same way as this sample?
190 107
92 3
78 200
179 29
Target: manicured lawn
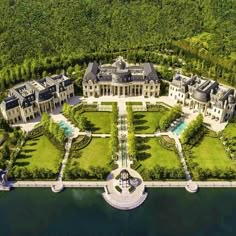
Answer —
1 134
150 154
39 152
147 121
210 154
134 103
108 103
99 122
230 130
95 154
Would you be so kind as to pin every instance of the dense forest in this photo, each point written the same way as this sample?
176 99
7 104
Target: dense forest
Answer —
38 37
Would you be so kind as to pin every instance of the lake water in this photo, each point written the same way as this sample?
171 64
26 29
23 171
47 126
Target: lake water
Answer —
84 212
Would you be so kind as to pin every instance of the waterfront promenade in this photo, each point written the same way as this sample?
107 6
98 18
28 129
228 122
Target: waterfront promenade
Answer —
49 184
102 184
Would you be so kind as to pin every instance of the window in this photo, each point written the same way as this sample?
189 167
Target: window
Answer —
90 87
215 110
151 87
218 112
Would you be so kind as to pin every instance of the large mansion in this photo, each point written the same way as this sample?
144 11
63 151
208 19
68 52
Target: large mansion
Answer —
205 96
121 79
30 99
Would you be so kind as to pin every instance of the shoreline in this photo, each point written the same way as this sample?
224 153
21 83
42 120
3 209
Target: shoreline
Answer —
102 184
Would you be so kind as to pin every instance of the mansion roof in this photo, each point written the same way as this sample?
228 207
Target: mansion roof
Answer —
27 93
120 72
204 90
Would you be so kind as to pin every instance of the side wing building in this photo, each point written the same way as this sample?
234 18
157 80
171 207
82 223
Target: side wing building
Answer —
30 99
204 96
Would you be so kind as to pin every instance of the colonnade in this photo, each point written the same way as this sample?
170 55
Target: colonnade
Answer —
129 90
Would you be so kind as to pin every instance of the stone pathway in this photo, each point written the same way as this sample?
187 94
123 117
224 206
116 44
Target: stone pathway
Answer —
122 136
102 184
124 200
179 148
65 159
49 184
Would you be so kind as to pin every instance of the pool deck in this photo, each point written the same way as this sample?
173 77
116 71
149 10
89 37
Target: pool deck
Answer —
179 128
58 117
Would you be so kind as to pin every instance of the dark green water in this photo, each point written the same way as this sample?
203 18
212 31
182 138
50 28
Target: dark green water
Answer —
84 212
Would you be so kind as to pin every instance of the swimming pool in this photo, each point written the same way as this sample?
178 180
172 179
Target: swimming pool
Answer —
67 129
179 128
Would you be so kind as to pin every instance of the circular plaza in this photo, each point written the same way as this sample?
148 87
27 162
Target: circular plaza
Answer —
125 189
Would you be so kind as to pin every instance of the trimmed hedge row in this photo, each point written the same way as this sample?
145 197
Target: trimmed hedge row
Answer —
82 144
23 173
118 188
166 145
156 107
4 138
36 132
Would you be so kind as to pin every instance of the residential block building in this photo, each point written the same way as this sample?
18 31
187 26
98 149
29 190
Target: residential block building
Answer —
204 96
121 79
30 99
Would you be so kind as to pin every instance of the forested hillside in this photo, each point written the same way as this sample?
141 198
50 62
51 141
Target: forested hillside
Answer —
39 36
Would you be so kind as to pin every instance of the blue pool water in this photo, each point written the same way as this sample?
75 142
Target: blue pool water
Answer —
67 129
179 128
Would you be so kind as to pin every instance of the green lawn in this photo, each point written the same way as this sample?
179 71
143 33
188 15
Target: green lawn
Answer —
39 152
230 130
99 122
210 154
95 154
150 154
147 122
1 133
108 103
134 103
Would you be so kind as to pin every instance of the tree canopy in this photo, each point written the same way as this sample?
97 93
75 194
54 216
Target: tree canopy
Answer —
39 37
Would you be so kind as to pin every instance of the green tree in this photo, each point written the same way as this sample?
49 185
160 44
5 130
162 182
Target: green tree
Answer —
45 120
60 135
6 152
82 122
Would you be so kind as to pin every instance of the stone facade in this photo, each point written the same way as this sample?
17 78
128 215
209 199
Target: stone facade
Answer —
204 96
121 79
30 99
